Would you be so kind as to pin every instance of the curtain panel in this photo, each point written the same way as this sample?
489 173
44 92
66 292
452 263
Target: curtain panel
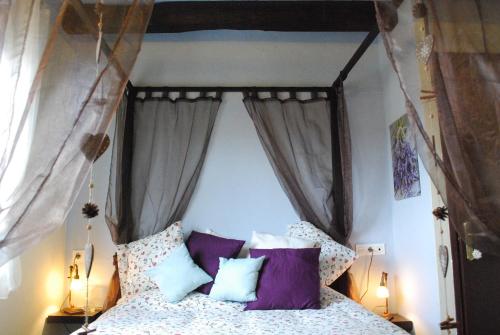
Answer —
463 46
297 138
159 150
63 97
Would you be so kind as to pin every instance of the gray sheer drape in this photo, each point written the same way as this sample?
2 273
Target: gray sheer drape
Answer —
296 136
464 66
170 141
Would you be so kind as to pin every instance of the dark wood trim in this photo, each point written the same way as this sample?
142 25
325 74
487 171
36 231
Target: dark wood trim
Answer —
203 89
126 167
360 51
61 317
337 185
184 16
458 279
402 322
341 284
114 291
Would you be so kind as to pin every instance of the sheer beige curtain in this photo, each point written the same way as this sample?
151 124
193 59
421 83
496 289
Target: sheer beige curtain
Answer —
159 149
464 62
296 136
56 104
12 92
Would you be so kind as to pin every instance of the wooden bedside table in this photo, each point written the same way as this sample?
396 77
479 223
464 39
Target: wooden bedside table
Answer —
401 322
60 323
61 317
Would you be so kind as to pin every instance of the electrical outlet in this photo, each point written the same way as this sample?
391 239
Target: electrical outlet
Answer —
364 249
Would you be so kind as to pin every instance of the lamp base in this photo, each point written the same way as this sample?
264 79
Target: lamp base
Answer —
73 310
387 316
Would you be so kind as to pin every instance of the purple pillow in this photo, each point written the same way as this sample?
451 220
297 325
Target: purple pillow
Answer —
205 249
289 279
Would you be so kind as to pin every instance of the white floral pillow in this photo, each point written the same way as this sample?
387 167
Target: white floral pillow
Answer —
136 257
334 258
122 258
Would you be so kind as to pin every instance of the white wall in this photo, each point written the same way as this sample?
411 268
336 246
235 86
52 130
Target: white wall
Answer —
415 259
238 191
41 290
414 241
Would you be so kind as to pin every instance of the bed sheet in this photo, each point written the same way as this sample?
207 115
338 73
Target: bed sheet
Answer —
149 313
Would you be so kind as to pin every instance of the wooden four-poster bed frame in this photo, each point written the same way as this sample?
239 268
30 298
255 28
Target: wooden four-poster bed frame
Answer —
285 16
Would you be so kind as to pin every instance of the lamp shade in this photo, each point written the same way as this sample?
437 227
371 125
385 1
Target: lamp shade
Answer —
382 292
76 285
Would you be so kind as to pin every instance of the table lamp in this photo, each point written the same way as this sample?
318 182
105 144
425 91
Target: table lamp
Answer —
75 284
383 293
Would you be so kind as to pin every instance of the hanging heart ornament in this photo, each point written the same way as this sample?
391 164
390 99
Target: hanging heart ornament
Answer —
94 146
424 49
89 258
443 259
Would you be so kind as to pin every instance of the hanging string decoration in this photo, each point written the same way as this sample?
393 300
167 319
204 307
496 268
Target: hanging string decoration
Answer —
444 259
90 210
441 214
94 145
424 49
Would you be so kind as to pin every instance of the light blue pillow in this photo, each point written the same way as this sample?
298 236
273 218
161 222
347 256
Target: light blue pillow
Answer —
178 275
237 279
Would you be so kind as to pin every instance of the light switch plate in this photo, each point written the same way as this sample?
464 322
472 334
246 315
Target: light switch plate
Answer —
364 249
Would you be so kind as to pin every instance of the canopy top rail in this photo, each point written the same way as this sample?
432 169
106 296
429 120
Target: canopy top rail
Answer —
243 89
279 92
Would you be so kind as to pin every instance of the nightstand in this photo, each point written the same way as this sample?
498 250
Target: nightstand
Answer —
401 322
60 323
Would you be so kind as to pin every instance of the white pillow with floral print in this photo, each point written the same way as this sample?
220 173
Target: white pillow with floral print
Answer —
122 259
334 258
138 256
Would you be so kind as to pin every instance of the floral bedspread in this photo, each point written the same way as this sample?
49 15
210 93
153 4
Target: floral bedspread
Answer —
197 314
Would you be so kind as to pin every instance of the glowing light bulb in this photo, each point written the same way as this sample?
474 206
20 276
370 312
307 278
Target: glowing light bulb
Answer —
76 285
382 292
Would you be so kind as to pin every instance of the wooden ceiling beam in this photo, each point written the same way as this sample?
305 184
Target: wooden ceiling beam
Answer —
296 16
183 16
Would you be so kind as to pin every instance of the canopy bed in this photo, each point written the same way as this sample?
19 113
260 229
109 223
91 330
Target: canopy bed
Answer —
161 138
305 139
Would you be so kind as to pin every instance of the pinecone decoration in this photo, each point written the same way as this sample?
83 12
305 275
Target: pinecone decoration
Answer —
441 213
90 210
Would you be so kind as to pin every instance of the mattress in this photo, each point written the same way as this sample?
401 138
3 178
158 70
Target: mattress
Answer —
149 313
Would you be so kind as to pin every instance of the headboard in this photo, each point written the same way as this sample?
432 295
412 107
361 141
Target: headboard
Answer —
114 292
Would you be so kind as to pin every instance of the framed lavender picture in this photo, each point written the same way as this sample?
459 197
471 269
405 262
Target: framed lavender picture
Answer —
404 160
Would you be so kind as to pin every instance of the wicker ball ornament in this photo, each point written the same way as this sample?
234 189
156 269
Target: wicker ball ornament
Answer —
441 213
90 210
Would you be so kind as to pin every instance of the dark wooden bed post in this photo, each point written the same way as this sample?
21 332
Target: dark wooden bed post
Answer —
344 283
